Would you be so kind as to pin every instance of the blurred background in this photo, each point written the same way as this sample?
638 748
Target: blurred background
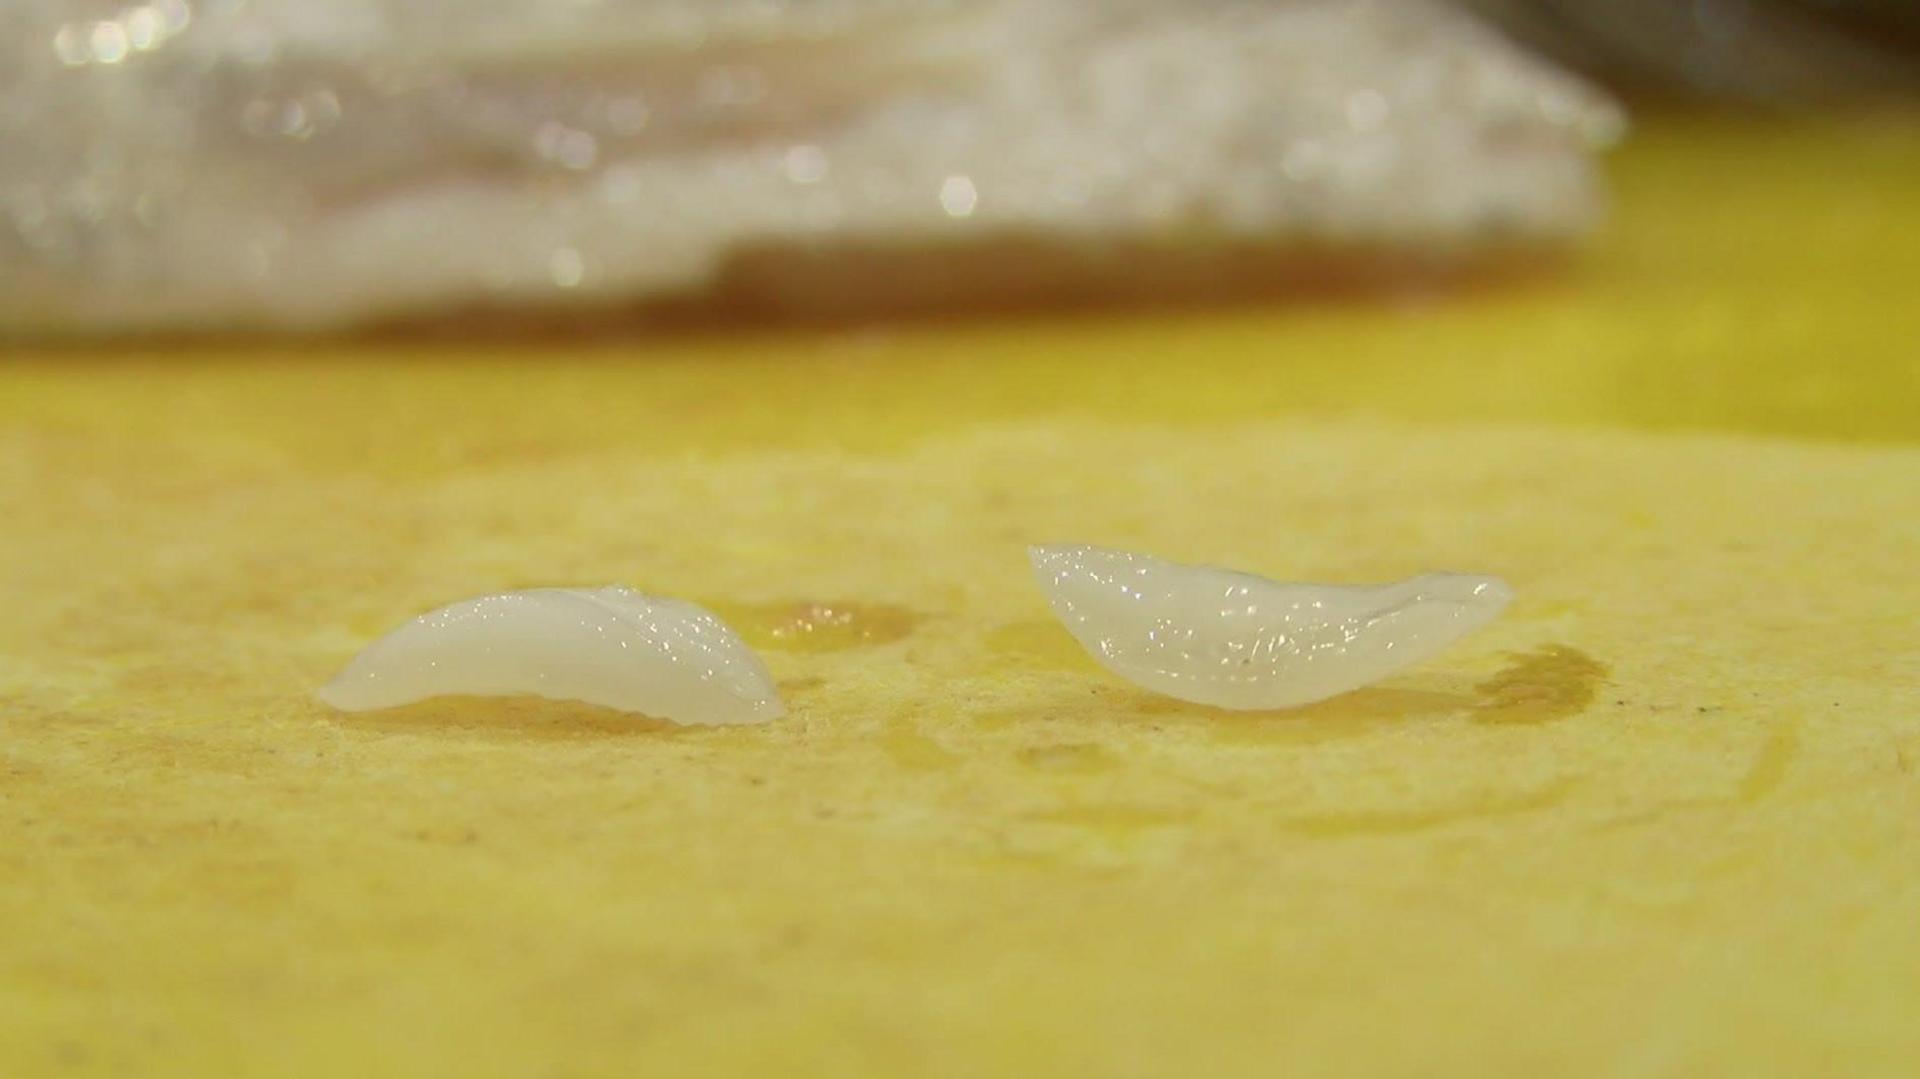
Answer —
214 166
1778 52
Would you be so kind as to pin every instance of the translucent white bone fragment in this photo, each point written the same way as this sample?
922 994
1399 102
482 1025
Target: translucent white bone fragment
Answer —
1234 640
611 646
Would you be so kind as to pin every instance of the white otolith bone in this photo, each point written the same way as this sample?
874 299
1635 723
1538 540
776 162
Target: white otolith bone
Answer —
1234 640
611 646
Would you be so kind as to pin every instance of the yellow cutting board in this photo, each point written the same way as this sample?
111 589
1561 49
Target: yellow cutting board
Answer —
1662 818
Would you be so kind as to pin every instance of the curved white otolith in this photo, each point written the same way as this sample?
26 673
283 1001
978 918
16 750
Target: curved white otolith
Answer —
1234 640
611 646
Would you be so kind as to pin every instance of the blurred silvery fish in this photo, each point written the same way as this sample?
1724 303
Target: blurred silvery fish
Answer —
190 165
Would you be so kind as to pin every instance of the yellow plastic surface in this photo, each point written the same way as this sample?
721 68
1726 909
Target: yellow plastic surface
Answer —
1662 819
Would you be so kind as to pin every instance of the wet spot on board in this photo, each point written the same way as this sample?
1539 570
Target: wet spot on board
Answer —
1350 715
818 625
512 719
1549 683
